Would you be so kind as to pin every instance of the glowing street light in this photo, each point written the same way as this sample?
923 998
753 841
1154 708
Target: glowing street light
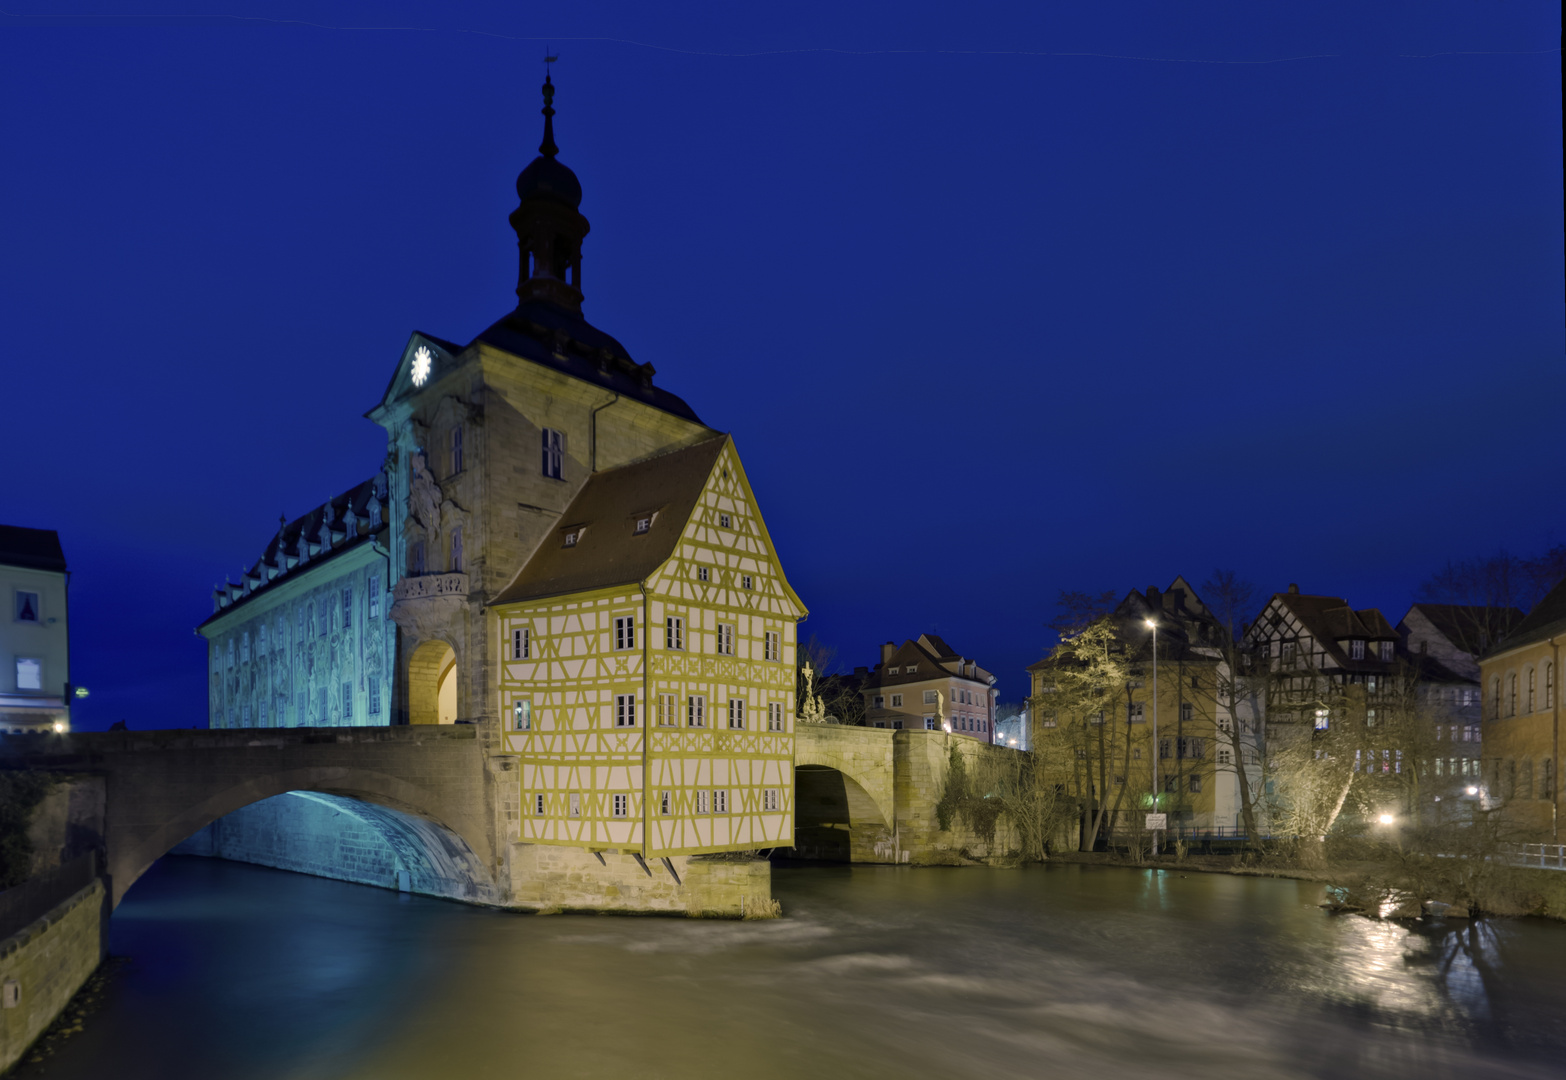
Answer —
1471 790
1386 819
1153 626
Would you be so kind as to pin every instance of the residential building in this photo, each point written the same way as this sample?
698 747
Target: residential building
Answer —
35 638
1011 728
1207 726
302 639
1522 719
926 685
1443 642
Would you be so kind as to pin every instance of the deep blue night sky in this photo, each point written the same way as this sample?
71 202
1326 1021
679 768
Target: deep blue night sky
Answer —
997 299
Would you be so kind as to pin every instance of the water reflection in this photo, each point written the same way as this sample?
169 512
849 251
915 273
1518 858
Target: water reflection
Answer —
877 972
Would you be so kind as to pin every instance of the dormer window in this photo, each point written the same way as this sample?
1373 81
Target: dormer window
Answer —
893 671
570 536
1386 651
1357 649
644 523
913 669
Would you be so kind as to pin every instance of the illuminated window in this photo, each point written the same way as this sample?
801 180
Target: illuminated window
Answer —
1386 651
674 633
736 713
696 711
521 643
375 596
1321 719
625 710
522 714
1356 650
625 632
554 453
644 524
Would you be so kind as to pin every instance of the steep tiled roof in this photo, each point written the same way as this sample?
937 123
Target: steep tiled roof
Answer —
1470 627
342 522
608 551
36 549
933 664
1546 620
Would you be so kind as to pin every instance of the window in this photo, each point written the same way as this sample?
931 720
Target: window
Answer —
522 714
771 646
1164 747
554 453
456 550
570 537
244 646
576 804
521 643
1386 651
244 714
880 702
1224 757
1356 649
261 715
1288 653
929 723
898 724
1511 695
1370 717
736 712
1194 749
725 522
625 710
621 805
1549 685
538 804
1185 712
1171 783
745 581
261 640
897 701
696 711
702 803
1196 682
775 716
894 671
300 620
1321 719
769 799
1134 714
347 702
1196 784
931 697
375 698
321 711
674 633
299 708
374 594
720 802
1470 732
725 640
643 524
668 715
324 627
703 574
27 607
347 610
1495 699
664 802
625 632
416 558
913 669
456 449
1530 691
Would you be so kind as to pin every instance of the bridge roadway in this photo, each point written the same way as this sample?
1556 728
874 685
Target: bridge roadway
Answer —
436 796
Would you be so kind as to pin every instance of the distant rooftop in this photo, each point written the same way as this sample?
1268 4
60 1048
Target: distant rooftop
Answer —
36 549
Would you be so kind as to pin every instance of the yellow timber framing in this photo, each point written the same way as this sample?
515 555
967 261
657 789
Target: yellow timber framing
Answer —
691 782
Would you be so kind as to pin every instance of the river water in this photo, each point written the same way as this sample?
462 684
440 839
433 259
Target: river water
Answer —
235 971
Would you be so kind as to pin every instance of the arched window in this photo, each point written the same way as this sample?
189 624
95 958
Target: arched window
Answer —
1529 698
1495 698
1511 694
1549 685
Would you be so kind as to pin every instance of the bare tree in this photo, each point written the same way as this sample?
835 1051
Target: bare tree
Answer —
1489 591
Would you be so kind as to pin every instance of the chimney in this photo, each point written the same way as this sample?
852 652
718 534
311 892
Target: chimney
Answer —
1154 597
1294 590
886 653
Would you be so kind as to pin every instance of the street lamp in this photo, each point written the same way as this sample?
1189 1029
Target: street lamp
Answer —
1153 626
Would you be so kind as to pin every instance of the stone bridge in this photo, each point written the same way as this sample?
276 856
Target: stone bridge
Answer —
423 790
423 808
869 795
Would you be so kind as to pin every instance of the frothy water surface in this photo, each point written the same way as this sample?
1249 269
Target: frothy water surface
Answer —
1065 971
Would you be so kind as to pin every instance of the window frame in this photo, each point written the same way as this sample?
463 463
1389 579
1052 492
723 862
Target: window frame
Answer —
37 607
736 714
553 462
521 643
696 711
624 633
674 633
726 639
625 710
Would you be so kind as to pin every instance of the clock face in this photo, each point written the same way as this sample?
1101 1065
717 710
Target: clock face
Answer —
421 366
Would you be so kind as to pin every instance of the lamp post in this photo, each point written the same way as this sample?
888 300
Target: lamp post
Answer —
1153 626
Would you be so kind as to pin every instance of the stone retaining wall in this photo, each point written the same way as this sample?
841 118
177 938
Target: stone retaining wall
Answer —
548 878
43 965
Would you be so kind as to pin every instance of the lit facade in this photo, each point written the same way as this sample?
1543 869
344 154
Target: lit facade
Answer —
925 685
35 639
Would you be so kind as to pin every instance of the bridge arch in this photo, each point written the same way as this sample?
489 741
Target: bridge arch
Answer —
443 854
844 806
432 683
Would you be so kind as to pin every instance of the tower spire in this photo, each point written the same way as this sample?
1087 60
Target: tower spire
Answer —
548 147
